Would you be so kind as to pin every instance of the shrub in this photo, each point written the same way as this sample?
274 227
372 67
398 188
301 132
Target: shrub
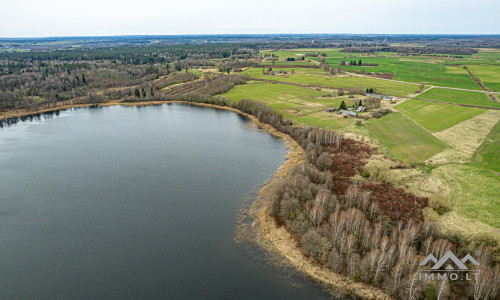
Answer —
375 168
440 203
358 122
365 173
412 161
430 215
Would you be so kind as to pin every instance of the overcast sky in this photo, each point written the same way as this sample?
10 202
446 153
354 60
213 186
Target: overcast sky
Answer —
39 18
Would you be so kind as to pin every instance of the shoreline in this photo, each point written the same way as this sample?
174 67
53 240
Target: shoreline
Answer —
278 239
270 236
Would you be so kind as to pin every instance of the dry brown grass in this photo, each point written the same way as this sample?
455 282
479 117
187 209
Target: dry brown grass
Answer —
465 137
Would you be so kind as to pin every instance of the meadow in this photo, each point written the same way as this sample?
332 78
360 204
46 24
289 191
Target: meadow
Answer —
460 97
404 138
437 116
418 69
488 155
306 76
303 105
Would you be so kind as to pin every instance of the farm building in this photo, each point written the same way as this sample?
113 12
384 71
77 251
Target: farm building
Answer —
389 98
361 109
348 113
332 109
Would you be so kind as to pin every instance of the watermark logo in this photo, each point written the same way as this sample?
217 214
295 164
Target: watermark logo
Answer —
449 267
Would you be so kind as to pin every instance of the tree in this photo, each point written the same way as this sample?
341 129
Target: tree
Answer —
317 215
137 93
83 79
152 92
324 161
342 105
143 93
359 62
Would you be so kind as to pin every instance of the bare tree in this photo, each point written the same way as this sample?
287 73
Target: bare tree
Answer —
443 289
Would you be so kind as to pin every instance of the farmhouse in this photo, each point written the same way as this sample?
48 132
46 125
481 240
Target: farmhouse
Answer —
348 113
389 98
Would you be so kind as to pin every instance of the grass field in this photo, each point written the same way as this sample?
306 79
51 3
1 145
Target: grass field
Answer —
474 192
257 72
488 155
305 106
437 116
411 69
489 75
415 71
404 138
460 97
304 76
281 62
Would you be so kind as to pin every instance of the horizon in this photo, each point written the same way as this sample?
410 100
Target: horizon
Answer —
249 34
57 18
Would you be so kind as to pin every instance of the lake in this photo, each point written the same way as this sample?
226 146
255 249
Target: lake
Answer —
135 202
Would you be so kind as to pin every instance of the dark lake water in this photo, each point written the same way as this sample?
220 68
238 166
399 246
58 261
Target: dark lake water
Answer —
135 202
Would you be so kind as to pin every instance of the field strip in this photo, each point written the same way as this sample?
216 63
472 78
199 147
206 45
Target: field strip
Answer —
437 86
459 104
465 137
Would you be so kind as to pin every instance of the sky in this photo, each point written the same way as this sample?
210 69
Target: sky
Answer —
39 18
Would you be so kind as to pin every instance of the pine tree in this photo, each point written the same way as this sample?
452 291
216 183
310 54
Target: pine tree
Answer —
152 92
83 79
342 105
359 63
143 93
137 93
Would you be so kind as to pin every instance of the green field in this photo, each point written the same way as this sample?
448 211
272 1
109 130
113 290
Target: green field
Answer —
437 116
474 192
258 72
415 71
404 138
303 105
460 97
489 75
428 69
281 62
488 155
305 76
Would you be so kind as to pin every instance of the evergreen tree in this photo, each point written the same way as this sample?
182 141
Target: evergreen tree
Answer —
137 93
83 79
360 102
143 93
342 105
152 92
359 63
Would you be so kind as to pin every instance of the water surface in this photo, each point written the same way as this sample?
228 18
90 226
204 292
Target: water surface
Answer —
134 202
